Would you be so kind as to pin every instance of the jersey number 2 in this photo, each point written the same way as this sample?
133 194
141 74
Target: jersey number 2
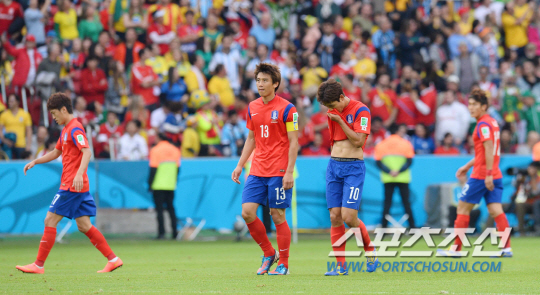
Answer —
264 131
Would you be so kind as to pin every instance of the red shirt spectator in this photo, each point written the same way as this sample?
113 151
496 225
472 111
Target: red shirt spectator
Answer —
107 130
382 102
26 61
442 150
189 33
159 33
429 97
128 53
320 125
306 134
144 81
406 110
9 11
94 83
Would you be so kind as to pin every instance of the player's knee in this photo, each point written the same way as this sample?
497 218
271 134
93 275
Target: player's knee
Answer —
349 219
50 221
336 219
83 227
248 216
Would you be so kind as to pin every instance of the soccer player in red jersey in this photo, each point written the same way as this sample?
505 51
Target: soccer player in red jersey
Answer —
273 134
349 122
486 179
73 199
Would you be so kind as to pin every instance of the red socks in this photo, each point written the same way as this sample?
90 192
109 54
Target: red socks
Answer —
335 234
283 233
462 221
365 237
502 224
258 232
98 240
45 245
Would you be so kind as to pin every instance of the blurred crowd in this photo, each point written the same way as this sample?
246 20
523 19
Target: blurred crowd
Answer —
185 68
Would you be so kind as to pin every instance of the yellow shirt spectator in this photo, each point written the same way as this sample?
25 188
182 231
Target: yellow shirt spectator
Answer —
400 5
18 124
516 31
195 81
365 68
312 76
67 24
191 144
221 87
159 65
119 24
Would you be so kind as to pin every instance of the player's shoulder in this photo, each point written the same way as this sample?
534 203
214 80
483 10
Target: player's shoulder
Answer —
359 107
488 120
283 102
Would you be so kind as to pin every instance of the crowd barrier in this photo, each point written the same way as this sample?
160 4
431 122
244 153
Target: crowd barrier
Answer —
205 190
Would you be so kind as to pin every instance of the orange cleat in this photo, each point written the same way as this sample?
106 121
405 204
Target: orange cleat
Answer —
30 268
111 266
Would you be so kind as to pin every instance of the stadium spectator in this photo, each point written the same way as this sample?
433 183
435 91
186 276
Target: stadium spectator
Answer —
95 83
528 81
515 20
211 31
191 144
329 46
262 56
108 130
263 32
80 112
172 14
466 68
65 21
144 81
426 105
231 59
316 148
437 50
208 124
34 18
452 117
159 33
195 79
393 157
345 66
447 146
11 17
313 74
90 26
219 86
189 33
174 89
48 71
174 123
162 180
365 68
406 104
233 135
16 138
531 112
383 41
136 17
27 60
526 148
382 101
127 52
421 141
137 111
133 146
39 140
411 42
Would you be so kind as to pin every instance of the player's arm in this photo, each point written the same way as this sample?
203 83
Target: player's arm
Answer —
488 149
249 146
465 168
357 139
52 155
78 180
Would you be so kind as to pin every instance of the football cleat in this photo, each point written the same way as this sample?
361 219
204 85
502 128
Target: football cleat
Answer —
111 266
338 271
267 262
281 270
372 261
31 268
448 253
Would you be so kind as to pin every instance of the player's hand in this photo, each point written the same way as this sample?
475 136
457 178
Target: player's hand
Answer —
489 182
236 174
29 166
462 171
394 173
288 181
333 117
78 183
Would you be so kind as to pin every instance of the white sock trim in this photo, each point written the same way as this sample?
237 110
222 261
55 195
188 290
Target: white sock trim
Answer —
114 259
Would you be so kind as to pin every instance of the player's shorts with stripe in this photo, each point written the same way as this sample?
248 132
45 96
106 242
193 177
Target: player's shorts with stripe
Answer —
261 190
475 189
73 204
344 183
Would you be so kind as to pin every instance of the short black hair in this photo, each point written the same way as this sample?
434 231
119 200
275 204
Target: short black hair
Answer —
143 50
59 100
271 70
329 91
376 119
189 12
394 128
479 96
231 113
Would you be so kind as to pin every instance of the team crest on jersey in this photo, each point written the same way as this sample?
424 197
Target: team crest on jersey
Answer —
274 116
349 119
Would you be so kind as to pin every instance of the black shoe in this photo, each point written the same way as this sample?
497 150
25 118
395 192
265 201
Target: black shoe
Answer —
160 237
174 235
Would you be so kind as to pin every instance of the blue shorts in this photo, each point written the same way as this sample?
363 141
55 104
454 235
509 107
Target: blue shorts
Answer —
260 189
73 204
344 183
475 189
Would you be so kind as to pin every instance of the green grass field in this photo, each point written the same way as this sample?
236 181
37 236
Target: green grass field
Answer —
229 267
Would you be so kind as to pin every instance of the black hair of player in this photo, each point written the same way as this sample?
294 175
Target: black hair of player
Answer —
329 92
59 100
271 70
479 96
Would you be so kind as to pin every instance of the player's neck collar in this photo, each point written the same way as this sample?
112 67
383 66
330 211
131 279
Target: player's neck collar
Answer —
266 103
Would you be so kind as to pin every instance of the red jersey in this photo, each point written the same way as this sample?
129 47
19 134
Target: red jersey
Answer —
160 30
382 103
355 93
406 110
486 129
270 124
71 141
444 151
358 118
341 69
429 97
8 14
139 74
